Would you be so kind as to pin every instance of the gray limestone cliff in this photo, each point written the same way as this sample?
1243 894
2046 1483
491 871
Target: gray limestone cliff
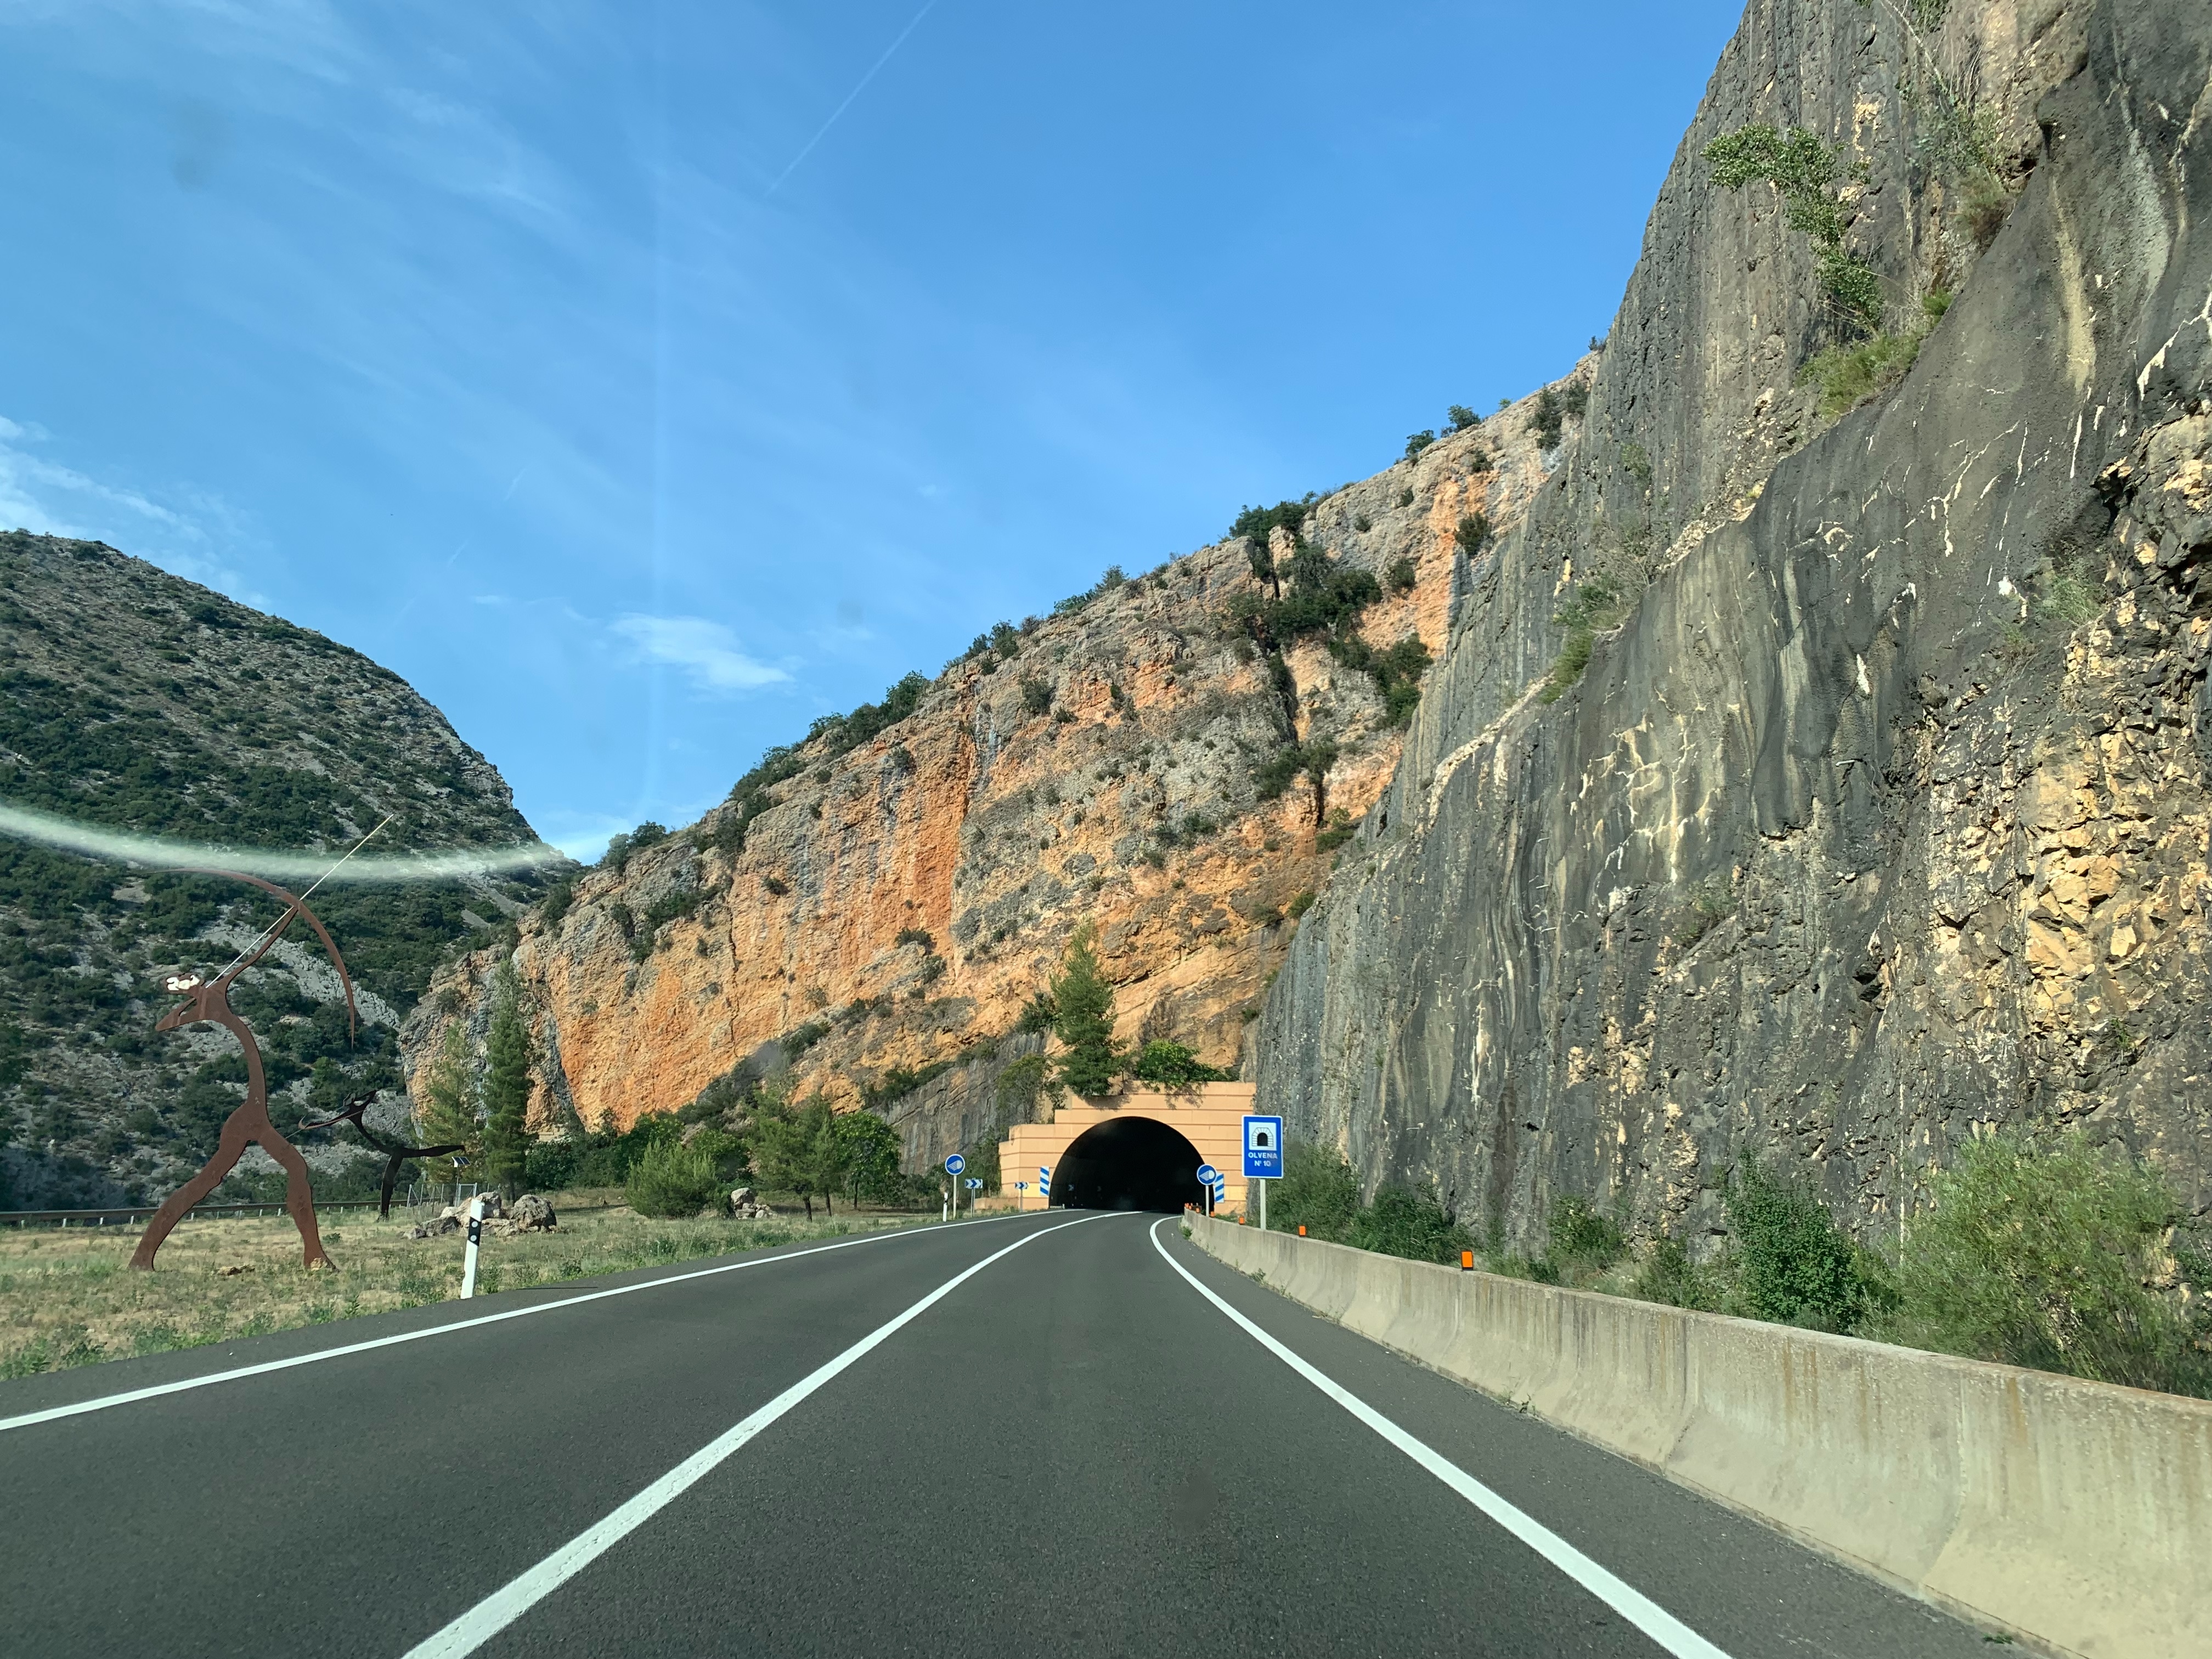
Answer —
1879 811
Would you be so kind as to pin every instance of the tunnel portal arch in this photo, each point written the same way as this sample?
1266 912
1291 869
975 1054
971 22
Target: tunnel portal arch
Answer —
1129 1162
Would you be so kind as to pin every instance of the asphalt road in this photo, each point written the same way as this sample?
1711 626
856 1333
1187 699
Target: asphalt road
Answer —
1071 1451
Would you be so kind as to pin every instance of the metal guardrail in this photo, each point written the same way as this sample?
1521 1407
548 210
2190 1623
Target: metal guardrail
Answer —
118 1217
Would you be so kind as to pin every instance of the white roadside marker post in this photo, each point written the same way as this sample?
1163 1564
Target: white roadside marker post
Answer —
476 1234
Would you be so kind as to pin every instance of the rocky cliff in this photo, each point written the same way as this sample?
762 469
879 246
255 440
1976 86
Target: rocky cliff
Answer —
131 700
874 906
1879 813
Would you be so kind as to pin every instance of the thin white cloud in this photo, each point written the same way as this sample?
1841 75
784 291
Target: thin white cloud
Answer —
44 496
706 651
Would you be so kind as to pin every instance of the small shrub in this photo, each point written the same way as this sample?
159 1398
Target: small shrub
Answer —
1404 498
1849 375
2062 1256
1400 576
1668 1275
1597 603
1329 840
1983 206
1471 532
1036 696
1479 461
1298 905
776 886
907 936
1362 523
1582 1238
1405 1222
1418 441
2068 597
1171 1065
672 1179
1792 1264
1317 1192
1463 418
1710 904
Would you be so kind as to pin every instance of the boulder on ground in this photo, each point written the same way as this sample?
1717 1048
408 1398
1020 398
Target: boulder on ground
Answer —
442 1225
532 1215
494 1208
745 1204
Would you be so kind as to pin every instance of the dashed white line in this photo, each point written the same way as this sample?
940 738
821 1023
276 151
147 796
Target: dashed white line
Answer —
504 1606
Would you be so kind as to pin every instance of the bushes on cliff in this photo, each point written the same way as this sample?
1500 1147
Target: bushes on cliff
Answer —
2061 1255
1848 375
1806 173
1170 1065
1021 1086
1396 672
1597 603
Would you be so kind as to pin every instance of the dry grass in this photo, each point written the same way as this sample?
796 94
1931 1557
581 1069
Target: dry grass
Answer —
67 1299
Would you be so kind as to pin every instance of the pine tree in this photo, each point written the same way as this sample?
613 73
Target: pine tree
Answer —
1083 1020
449 1100
507 1085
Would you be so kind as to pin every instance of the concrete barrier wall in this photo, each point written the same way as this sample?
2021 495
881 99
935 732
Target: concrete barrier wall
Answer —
2077 1516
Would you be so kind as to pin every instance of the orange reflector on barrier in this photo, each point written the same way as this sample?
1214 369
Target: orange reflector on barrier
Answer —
1467 1261
1302 1231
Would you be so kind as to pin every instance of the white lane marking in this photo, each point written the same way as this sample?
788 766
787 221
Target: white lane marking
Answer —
103 1401
1631 1604
504 1606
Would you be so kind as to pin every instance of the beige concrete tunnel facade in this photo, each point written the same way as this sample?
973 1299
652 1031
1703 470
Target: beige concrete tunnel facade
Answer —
1209 1115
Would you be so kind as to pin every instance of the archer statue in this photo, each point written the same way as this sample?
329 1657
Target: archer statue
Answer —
209 1000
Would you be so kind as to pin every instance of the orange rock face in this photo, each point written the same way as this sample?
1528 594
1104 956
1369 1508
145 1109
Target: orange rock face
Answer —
900 902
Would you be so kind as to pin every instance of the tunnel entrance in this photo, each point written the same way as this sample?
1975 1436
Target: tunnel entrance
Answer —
1128 1163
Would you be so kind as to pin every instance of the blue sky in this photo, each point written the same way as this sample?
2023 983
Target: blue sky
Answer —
534 352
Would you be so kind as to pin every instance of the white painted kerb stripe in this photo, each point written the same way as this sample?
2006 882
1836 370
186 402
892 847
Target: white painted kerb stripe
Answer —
503 1607
102 1402
1632 1604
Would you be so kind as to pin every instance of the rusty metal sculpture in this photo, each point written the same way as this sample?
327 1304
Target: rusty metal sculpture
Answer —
209 1000
396 1152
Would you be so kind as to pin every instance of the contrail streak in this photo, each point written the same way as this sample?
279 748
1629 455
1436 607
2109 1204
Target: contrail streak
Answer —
274 864
851 95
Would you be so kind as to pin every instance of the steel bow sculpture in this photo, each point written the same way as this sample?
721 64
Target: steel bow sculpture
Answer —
396 1152
209 1000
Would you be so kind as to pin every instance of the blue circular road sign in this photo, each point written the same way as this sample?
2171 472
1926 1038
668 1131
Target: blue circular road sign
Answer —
955 1165
1208 1174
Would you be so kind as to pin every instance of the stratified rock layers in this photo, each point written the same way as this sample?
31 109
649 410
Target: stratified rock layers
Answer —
1881 815
899 901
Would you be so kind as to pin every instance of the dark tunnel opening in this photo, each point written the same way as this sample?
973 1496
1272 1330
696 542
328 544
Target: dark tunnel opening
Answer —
1128 1163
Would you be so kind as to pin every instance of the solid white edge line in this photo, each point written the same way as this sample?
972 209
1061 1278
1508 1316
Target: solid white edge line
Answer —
509 1603
102 1402
1631 1604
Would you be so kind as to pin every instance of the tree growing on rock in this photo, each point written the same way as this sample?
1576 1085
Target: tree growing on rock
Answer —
507 1085
449 1099
1083 1001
